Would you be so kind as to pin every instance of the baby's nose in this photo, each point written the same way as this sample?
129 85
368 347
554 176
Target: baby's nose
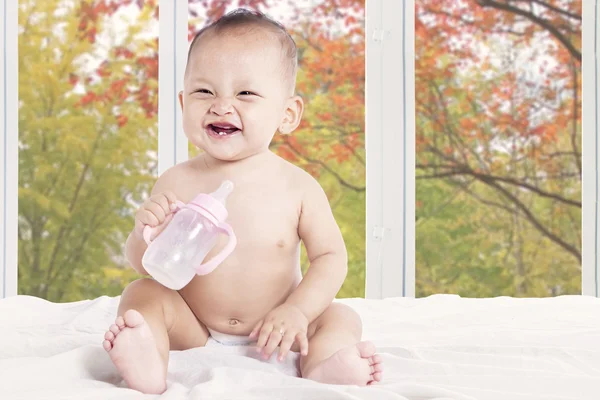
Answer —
221 106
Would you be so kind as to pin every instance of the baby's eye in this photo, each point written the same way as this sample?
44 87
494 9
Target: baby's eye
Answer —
247 93
202 91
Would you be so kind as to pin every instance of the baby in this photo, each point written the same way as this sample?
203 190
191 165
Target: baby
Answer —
238 92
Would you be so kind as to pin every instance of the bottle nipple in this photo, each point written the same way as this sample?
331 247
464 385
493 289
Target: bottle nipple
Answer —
223 191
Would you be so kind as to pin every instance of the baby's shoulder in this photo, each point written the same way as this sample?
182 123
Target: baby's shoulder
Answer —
177 176
299 179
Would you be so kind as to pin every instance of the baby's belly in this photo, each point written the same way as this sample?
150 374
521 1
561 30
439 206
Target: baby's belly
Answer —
234 297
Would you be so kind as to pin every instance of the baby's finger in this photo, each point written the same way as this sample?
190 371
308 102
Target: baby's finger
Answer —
265 331
255 330
146 217
156 209
286 345
162 201
170 196
303 342
139 227
274 340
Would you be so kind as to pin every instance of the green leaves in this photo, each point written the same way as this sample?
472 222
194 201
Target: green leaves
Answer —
86 152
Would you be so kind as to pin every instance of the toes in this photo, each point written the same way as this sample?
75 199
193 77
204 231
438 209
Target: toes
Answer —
376 368
366 349
133 318
120 322
377 376
109 336
114 329
107 345
376 359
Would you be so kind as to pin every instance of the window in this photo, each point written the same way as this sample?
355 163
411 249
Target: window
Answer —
396 141
87 141
498 148
477 174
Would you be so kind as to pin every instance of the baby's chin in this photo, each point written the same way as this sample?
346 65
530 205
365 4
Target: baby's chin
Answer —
224 155
230 152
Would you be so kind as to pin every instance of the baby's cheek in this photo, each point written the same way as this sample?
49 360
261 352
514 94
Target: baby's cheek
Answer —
191 122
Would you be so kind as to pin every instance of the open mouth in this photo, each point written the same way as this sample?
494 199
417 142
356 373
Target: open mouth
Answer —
222 130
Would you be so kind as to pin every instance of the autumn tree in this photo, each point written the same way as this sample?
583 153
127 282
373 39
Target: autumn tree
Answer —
498 105
87 139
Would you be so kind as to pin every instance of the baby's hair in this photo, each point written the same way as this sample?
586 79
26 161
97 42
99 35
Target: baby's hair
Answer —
246 20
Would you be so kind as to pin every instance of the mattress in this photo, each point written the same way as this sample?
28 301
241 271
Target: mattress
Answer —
438 347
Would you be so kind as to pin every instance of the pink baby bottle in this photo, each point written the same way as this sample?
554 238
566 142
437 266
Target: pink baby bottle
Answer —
175 256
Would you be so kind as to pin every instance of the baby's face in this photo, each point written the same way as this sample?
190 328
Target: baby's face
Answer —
234 95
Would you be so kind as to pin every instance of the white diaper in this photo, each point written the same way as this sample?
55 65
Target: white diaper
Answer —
224 343
229 340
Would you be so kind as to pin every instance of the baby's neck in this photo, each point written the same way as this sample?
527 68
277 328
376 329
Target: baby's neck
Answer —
254 161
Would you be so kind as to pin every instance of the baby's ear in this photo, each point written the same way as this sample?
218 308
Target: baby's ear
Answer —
180 96
292 115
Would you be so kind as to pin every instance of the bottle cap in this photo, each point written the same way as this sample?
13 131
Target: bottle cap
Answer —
214 202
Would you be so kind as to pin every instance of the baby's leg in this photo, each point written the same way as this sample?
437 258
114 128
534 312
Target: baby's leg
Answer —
335 353
151 320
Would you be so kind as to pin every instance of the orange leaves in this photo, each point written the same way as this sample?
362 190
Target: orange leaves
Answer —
355 140
88 98
88 15
215 9
323 58
73 79
324 116
102 70
90 35
90 11
467 124
150 64
123 52
313 169
121 120
546 132
341 153
118 85
287 154
420 141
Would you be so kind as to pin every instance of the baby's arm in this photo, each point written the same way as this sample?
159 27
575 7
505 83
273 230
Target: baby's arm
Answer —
326 252
135 246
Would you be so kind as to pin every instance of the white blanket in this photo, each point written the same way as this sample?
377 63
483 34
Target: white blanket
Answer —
440 347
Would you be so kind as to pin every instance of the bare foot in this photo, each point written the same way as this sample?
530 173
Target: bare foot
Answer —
131 347
355 365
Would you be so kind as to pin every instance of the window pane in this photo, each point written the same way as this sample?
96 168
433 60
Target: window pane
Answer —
87 141
498 103
330 141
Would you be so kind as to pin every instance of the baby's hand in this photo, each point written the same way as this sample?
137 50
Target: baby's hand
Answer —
156 211
282 326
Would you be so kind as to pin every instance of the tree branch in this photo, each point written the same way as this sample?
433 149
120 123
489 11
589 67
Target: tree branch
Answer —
532 219
327 168
557 10
464 170
535 19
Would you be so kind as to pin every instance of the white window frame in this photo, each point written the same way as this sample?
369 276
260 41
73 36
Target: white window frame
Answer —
9 147
590 266
390 152
390 173
172 56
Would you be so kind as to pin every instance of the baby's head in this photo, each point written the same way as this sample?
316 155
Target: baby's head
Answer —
239 86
